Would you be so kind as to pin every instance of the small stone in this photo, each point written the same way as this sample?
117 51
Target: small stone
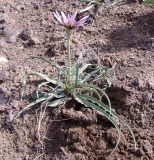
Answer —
152 42
3 60
147 147
138 83
137 63
2 30
19 7
135 83
2 9
3 102
128 76
146 97
14 104
10 116
12 39
3 76
33 41
7 30
50 52
101 145
143 119
124 63
78 147
36 6
121 78
75 4
140 152
2 33
26 34
150 83
2 20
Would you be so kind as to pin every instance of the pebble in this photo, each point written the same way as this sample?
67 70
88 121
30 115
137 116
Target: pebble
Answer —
50 52
150 83
2 9
140 152
3 60
10 116
152 42
121 78
36 6
143 119
124 63
19 7
3 76
138 82
26 34
33 41
74 4
147 147
2 27
3 102
5 30
2 20
146 97
137 63
12 39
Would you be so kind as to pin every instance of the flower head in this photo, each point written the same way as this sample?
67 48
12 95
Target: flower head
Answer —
69 21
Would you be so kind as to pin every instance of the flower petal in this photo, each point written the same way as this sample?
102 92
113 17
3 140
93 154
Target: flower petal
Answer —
65 19
69 21
58 17
82 21
73 17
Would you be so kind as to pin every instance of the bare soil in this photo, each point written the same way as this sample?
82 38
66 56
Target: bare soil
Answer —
122 34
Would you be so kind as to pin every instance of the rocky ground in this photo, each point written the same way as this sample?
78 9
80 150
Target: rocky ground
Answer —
123 34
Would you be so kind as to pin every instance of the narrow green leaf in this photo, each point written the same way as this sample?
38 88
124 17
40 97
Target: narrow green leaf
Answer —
84 67
50 62
89 76
101 91
29 106
23 85
47 78
61 69
83 88
57 102
39 87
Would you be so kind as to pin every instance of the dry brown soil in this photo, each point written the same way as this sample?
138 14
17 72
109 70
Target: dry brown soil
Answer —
121 34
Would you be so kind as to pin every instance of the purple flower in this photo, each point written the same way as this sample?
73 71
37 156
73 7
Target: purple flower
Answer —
69 21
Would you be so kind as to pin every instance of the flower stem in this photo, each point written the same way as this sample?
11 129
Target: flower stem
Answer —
68 32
